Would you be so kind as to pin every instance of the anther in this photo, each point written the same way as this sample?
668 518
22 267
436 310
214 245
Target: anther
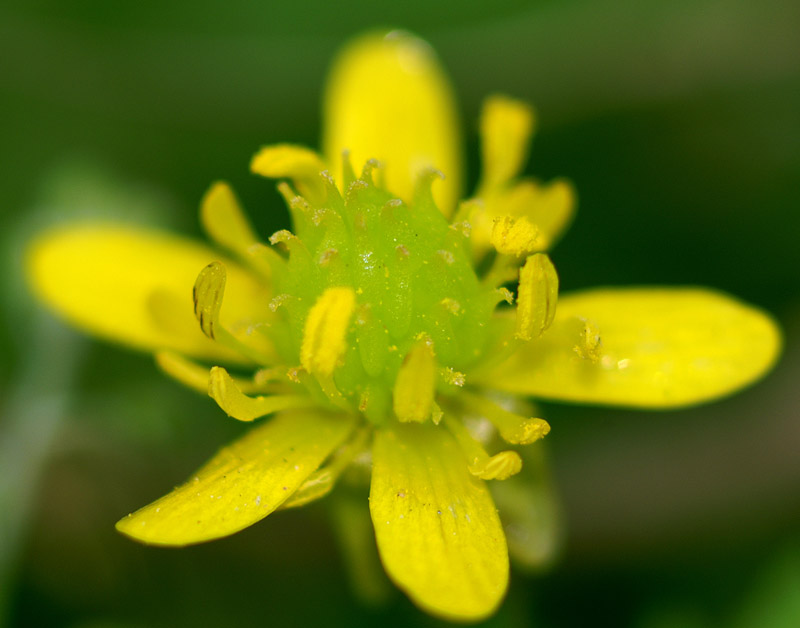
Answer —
514 428
223 389
325 332
208 292
415 386
515 237
501 466
538 293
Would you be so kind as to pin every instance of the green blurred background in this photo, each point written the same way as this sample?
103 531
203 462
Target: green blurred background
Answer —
679 123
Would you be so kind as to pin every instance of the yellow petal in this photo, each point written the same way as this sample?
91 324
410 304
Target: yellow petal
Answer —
506 128
243 483
388 99
657 348
438 532
298 163
107 278
196 376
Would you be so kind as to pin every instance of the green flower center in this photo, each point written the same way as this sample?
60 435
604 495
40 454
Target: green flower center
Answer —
372 283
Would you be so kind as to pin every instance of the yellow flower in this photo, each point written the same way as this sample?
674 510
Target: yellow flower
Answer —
374 326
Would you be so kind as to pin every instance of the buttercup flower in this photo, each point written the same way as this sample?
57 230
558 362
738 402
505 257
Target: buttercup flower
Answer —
392 323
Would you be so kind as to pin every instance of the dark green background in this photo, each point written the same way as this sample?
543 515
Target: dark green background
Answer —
679 123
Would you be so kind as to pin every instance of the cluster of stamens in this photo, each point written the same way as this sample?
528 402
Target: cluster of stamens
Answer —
377 308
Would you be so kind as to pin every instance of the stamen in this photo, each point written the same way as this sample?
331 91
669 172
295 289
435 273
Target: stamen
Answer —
325 333
501 466
223 389
512 427
209 289
538 293
504 268
515 237
415 385
196 376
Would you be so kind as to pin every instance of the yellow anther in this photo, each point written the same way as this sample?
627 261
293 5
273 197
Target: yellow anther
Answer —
224 220
208 292
501 466
209 289
325 333
223 389
514 236
538 293
549 206
514 428
415 385
300 164
589 341
506 127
